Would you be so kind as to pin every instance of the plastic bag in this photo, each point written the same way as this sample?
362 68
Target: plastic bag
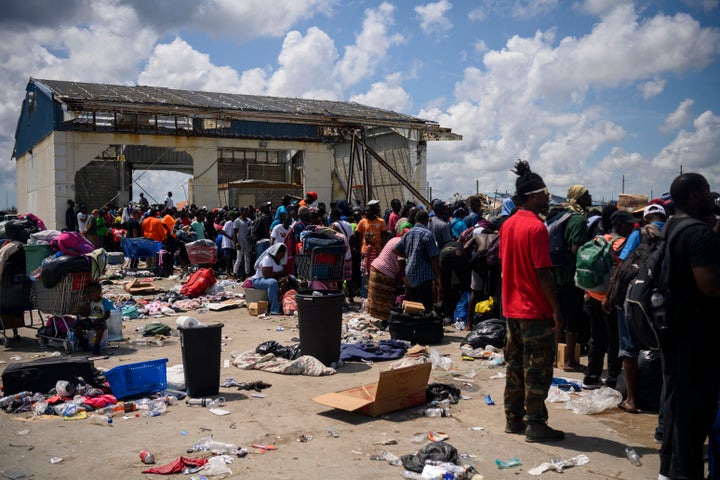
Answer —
485 306
489 332
461 309
595 401
556 395
438 361
437 392
437 451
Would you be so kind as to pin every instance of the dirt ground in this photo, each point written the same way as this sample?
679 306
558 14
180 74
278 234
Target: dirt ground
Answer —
287 412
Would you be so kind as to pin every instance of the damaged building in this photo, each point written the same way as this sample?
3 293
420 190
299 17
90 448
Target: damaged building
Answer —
90 142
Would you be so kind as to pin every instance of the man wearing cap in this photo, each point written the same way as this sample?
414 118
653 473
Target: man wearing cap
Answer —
603 326
309 199
654 218
570 297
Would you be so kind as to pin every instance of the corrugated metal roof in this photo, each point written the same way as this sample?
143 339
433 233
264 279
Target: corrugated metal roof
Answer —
78 96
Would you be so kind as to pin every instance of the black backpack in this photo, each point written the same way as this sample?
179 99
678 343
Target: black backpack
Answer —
628 269
648 295
559 251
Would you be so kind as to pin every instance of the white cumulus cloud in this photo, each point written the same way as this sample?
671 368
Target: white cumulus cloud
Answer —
652 88
432 17
679 118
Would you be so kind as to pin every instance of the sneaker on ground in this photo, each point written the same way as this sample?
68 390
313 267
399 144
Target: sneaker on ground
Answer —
592 383
540 433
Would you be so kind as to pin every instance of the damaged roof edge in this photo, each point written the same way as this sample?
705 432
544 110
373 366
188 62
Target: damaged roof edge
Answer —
148 100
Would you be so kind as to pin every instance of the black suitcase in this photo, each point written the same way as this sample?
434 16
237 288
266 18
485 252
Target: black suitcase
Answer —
164 266
424 329
41 375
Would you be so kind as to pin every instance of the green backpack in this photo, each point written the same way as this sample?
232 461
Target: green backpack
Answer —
594 264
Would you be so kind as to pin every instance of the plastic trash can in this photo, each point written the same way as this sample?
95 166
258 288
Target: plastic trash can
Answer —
320 324
201 359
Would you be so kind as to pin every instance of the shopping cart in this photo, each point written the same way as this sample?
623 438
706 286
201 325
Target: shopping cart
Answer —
202 252
63 303
322 264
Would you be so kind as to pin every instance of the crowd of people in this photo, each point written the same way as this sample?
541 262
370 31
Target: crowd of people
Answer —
436 254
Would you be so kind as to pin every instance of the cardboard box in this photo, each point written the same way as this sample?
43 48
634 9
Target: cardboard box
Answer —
257 308
562 353
632 202
412 308
395 390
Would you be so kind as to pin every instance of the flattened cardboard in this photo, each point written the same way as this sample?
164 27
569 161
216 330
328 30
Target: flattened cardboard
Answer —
412 308
395 390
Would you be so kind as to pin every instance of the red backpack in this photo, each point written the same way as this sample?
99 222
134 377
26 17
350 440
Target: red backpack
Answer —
72 243
198 283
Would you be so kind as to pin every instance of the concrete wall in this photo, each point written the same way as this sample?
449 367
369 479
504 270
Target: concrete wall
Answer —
47 176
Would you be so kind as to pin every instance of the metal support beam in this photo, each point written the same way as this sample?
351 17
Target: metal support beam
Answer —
394 173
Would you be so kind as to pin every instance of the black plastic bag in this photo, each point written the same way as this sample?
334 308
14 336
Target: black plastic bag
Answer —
55 269
291 352
20 229
437 451
489 332
442 391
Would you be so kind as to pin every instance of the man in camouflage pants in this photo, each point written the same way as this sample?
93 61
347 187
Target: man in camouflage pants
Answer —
529 303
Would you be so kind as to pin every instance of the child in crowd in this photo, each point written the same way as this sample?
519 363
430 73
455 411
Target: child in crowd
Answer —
93 316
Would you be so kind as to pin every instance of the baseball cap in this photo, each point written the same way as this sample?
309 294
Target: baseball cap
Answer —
312 194
622 216
654 208
373 202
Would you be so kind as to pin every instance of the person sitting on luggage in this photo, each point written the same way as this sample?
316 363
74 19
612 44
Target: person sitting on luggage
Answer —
269 271
93 316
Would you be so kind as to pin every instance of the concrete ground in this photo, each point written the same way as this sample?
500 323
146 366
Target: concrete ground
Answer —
28 443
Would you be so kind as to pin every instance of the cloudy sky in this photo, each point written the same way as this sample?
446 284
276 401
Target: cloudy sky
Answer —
587 91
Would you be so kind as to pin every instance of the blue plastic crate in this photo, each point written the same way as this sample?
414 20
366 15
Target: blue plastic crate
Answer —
139 247
138 378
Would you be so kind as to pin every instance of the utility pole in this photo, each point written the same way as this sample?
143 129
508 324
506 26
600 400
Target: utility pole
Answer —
477 187
623 184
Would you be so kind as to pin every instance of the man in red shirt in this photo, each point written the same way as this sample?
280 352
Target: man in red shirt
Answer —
530 307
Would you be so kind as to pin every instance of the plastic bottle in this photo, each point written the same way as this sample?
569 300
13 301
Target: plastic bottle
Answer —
206 402
102 420
447 466
157 408
437 412
390 458
513 462
138 342
112 410
71 409
633 456
40 407
8 400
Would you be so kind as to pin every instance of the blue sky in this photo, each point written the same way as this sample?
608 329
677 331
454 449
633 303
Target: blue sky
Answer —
586 91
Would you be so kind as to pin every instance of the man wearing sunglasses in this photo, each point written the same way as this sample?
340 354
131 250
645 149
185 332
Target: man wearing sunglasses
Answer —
531 311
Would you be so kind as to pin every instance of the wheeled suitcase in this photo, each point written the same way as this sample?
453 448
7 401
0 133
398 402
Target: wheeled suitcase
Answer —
41 375
425 328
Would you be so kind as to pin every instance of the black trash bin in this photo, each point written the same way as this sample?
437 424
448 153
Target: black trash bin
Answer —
320 324
201 359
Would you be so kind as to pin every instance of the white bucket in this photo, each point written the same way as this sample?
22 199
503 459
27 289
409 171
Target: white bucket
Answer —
114 326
